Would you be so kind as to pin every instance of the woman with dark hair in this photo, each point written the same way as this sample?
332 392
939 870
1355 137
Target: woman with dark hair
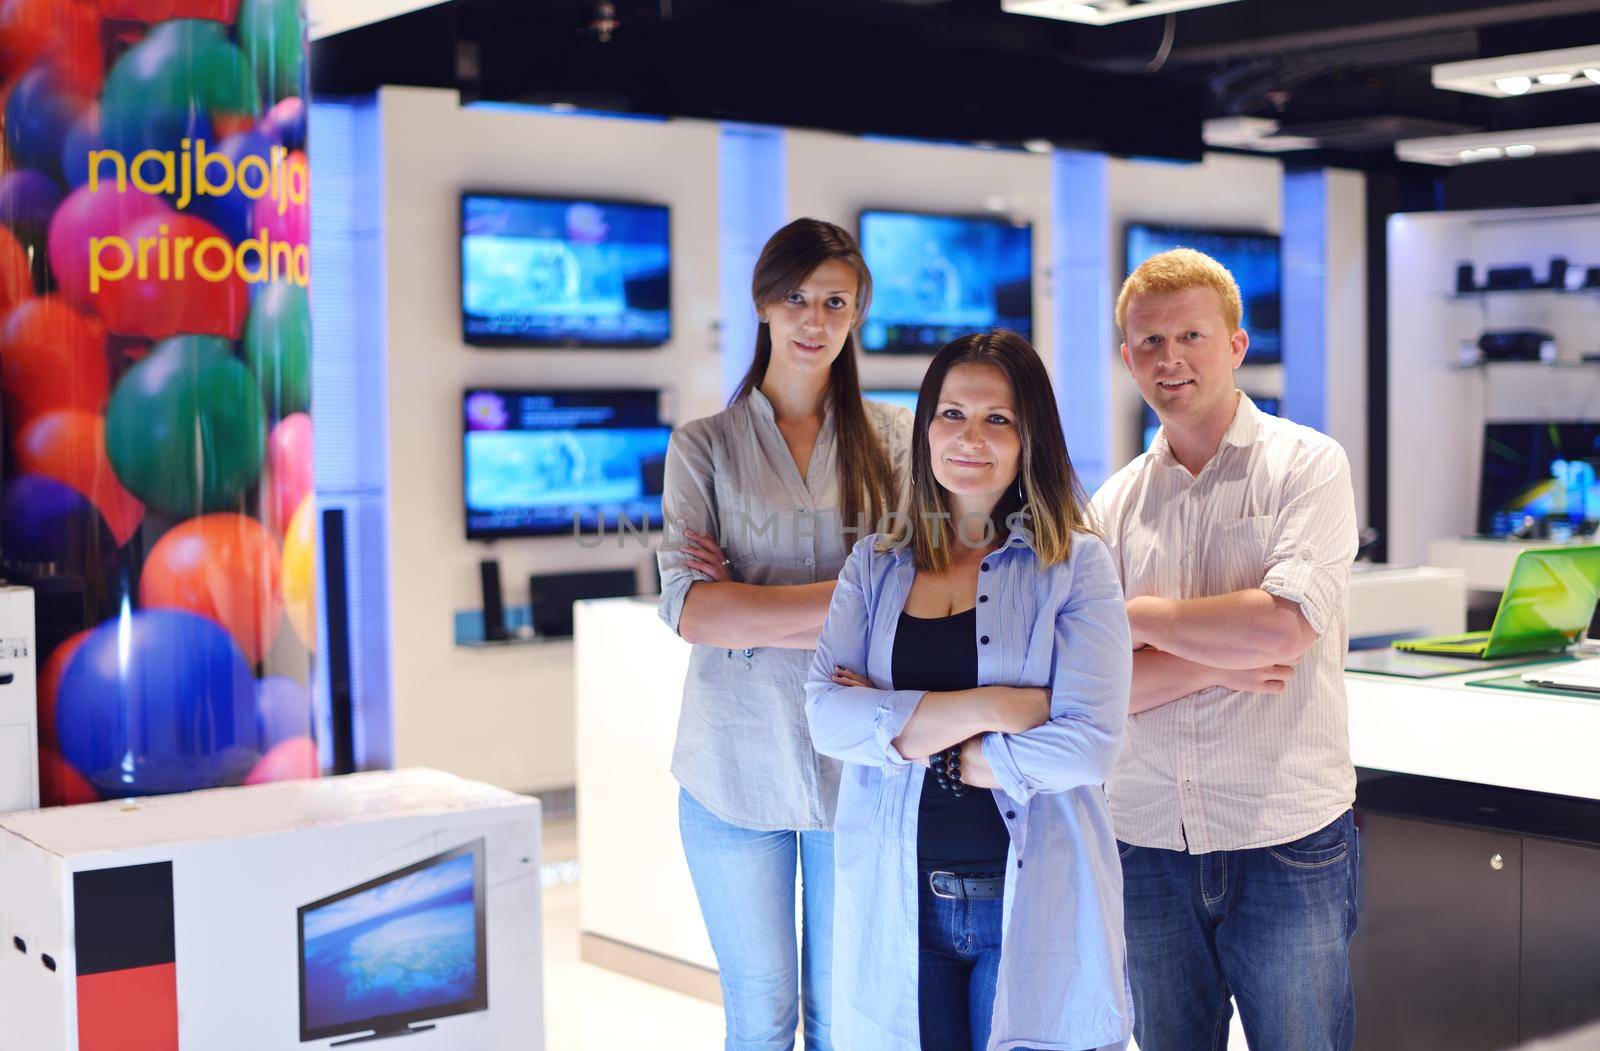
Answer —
981 644
760 498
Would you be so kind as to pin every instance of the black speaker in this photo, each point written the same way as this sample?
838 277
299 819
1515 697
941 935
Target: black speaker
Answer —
494 610
336 591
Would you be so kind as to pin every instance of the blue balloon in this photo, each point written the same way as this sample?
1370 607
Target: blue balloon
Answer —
283 708
231 212
158 701
28 198
40 517
82 137
39 114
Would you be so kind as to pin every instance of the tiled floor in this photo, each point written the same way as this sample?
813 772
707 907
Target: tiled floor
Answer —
589 1008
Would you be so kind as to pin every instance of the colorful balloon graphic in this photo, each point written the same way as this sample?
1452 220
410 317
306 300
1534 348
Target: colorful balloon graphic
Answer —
53 358
300 572
158 701
69 445
155 353
185 428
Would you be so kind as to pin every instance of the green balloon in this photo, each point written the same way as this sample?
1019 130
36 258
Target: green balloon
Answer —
273 33
277 346
185 430
181 66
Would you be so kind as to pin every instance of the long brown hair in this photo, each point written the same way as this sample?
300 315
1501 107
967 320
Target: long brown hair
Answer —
1050 499
866 481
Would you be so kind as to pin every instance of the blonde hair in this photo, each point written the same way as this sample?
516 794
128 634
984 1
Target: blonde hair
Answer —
1178 270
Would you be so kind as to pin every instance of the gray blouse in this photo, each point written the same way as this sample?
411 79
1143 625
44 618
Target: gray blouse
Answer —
743 749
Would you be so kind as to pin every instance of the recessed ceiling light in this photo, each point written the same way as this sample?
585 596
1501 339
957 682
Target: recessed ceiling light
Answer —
1447 150
1038 146
1519 74
1593 74
1102 12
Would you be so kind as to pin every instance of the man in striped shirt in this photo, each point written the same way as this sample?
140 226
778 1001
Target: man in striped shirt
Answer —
1233 536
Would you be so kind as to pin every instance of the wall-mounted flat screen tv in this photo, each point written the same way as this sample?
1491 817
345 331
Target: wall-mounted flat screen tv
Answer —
405 947
936 277
564 272
1252 258
542 462
1152 423
1545 471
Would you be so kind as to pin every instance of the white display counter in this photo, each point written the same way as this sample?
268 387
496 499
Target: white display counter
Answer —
639 913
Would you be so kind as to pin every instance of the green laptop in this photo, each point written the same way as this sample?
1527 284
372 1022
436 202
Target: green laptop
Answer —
1545 608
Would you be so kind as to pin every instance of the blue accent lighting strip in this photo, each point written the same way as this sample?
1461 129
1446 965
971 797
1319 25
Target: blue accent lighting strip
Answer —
1082 274
752 204
1305 256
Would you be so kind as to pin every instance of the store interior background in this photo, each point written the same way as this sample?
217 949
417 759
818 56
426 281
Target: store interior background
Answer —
416 107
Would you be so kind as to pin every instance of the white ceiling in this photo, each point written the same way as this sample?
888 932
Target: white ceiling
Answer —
328 17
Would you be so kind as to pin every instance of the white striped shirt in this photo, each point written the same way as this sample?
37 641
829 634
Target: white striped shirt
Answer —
1273 509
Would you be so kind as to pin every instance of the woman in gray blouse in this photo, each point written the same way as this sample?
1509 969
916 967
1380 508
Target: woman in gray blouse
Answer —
762 503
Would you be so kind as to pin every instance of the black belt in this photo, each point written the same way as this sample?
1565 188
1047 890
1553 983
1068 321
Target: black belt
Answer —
967 887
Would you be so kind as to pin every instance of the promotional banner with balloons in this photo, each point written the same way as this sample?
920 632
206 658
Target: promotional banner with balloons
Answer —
155 359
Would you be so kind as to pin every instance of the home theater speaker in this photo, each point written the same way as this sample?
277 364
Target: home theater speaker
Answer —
494 610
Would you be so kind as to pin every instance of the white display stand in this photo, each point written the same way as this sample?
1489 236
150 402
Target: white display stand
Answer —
232 869
19 711
1388 601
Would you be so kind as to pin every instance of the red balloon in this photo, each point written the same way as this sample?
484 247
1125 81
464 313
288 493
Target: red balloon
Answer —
54 358
49 682
60 784
289 469
16 280
286 761
85 215
69 445
153 11
63 31
294 225
192 305
224 567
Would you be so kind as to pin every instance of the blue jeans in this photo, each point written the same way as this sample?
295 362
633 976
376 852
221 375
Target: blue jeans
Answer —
958 969
745 882
1270 927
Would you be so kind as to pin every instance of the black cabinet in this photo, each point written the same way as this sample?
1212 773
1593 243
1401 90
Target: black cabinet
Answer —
1479 915
1435 956
1560 937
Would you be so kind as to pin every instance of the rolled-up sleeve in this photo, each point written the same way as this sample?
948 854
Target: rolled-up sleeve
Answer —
1314 538
854 724
1091 673
688 500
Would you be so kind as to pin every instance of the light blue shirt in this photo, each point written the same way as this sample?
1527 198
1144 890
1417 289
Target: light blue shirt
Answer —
1062 981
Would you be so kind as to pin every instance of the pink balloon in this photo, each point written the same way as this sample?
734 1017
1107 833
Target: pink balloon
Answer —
287 761
289 467
83 215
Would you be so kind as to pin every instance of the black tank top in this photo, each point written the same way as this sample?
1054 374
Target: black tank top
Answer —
963 834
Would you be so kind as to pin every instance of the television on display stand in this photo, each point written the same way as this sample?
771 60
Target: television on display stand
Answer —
408 947
936 277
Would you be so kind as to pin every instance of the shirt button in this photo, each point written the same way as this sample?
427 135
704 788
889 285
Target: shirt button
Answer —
1011 815
984 640
984 566
1019 863
983 598
811 561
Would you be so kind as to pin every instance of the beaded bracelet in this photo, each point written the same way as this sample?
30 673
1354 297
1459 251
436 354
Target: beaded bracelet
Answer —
946 767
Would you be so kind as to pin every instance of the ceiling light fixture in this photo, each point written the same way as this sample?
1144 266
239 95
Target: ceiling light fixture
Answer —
1448 150
1103 12
1533 71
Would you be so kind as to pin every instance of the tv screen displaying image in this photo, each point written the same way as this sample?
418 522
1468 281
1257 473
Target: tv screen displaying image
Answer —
557 272
549 462
1152 423
407 946
936 277
1252 258
1544 471
897 396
